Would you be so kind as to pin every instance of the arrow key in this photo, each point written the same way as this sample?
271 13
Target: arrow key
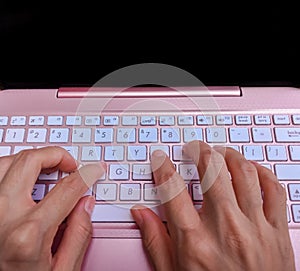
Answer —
294 191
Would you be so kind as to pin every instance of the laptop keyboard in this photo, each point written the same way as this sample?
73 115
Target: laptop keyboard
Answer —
125 143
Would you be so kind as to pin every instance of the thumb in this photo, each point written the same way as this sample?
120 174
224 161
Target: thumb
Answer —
77 236
155 237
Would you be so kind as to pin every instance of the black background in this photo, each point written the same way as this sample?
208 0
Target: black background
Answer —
54 44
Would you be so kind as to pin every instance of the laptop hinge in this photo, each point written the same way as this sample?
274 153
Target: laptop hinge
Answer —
144 92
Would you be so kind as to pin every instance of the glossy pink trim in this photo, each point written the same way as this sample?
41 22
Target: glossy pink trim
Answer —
149 92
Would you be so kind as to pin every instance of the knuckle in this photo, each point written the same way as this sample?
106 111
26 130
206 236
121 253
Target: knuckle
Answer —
280 191
247 168
26 156
72 184
84 231
4 161
151 242
206 155
27 239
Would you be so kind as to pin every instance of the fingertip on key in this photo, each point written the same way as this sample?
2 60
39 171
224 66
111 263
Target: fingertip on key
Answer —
92 172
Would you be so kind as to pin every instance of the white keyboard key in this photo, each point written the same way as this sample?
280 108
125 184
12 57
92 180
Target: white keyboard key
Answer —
106 191
92 120
178 155
59 135
296 212
64 174
3 120
253 153
185 120
126 135
51 186
141 172
129 120
136 153
216 135
294 152
148 120
197 192
130 191
49 177
73 150
148 135
262 120
55 120
287 171
294 191
295 118
114 153
223 120
89 192
119 212
38 191
262 134
119 172
170 135
36 120
17 149
166 120
73 120
37 135
204 120
18 121
188 172
287 134
91 153
239 135
276 153
163 148
81 135
150 192
281 119
190 134
243 120
111 120
1 134
5 150
14 135
104 135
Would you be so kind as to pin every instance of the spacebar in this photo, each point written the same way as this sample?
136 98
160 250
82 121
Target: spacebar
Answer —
118 212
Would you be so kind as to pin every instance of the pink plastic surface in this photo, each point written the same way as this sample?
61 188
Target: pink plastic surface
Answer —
118 246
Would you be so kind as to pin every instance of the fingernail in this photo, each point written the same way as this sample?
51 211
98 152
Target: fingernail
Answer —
89 205
136 213
159 153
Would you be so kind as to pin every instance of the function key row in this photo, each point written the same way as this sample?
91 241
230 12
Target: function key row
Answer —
166 120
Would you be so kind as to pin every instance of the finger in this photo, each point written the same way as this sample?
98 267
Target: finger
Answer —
245 183
213 173
5 163
156 240
179 209
27 165
274 197
76 237
59 202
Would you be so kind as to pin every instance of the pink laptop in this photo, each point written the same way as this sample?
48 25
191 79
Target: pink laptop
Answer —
123 125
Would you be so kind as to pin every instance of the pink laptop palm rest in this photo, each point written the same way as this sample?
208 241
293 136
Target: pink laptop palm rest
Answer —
123 128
